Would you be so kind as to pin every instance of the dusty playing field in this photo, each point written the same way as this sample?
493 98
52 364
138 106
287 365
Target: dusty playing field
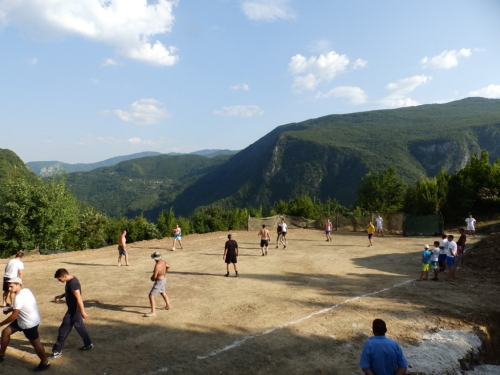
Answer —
270 320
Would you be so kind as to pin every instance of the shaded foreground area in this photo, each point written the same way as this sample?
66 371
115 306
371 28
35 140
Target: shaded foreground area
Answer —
305 309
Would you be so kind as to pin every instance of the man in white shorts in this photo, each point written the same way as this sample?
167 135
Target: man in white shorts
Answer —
24 317
380 225
471 225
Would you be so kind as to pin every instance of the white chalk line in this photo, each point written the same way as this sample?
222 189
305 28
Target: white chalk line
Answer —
240 342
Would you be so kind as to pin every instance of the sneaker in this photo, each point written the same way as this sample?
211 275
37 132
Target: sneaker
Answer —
2 358
284 246
42 367
236 274
276 247
262 254
55 355
148 315
87 347
227 274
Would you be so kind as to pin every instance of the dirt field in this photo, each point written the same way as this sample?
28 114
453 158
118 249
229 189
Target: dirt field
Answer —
303 310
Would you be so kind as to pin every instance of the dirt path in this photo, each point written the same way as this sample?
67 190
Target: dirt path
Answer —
305 309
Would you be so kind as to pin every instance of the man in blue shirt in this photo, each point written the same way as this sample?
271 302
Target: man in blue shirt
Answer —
382 356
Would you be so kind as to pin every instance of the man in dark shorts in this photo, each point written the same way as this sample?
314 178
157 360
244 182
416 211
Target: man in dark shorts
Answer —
26 318
122 249
74 315
231 252
265 237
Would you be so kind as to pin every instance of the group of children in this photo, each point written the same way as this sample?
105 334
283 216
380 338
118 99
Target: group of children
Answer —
446 253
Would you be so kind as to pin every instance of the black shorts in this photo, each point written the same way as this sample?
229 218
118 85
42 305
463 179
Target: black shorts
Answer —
6 284
283 234
30 333
231 258
264 242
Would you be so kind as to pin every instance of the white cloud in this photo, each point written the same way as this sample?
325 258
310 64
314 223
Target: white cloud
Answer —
356 95
142 112
491 91
243 87
239 111
32 61
95 81
401 88
267 10
445 60
309 72
359 64
109 62
129 26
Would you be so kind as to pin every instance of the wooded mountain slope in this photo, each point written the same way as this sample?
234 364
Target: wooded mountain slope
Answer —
328 156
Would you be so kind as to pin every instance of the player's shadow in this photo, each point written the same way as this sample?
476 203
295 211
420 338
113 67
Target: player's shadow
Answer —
107 306
195 273
90 264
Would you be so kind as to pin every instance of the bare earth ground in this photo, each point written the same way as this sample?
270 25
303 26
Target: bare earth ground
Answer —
303 310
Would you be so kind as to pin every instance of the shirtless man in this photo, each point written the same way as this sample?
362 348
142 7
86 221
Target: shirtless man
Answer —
177 233
159 277
122 249
265 237
328 230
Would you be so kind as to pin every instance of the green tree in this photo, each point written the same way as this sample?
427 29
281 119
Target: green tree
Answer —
90 231
166 221
428 195
381 191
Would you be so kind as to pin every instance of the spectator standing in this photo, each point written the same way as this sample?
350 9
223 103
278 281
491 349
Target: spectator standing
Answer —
13 268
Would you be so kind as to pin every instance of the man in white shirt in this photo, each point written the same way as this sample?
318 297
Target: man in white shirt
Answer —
24 317
380 225
13 268
471 225
443 246
451 253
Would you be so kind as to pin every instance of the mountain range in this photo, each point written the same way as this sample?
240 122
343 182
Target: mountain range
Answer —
324 157
48 168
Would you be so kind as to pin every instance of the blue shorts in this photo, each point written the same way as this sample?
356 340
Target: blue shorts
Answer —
450 261
370 236
30 333
442 257
177 237
327 231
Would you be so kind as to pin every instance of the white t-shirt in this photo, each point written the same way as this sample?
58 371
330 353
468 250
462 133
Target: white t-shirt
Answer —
379 222
25 301
451 250
471 223
283 227
12 268
444 244
435 254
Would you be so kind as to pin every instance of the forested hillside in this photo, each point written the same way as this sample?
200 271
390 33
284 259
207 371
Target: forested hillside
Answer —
327 157
133 186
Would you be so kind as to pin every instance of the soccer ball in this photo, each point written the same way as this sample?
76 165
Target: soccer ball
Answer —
173 248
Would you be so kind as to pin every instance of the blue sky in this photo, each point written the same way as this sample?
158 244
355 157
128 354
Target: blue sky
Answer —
86 80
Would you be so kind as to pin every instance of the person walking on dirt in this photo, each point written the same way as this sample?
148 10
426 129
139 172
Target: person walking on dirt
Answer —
382 355
328 230
122 248
13 268
471 225
177 233
279 231
74 315
370 229
231 252
380 225
160 281
265 237
284 229
24 316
